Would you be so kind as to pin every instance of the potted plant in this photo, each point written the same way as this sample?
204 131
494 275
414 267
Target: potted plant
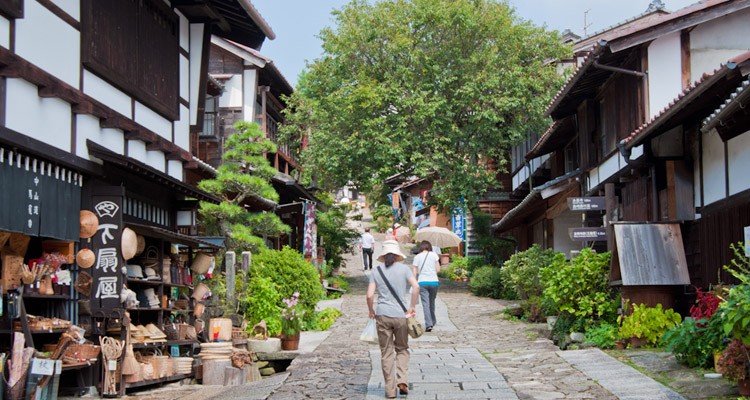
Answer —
645 325
291 323
734 363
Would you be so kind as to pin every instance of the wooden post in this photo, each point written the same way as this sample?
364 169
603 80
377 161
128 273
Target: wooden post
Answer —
230 259
610 203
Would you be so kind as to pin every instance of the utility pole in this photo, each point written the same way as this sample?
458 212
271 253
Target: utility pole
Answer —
585 22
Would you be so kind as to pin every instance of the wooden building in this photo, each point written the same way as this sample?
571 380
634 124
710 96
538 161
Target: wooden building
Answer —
627 119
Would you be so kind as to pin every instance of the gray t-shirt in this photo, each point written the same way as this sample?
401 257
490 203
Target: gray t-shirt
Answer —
398 275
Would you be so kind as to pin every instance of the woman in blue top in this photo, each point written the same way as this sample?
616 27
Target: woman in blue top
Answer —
393 335
426 267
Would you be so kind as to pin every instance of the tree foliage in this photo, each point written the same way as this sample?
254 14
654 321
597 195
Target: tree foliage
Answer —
244 174
443 86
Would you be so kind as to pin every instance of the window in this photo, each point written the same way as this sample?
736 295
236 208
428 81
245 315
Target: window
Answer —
571 156
211 118
134 45
608 136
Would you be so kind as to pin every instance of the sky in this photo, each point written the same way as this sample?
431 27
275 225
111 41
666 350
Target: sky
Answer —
297 23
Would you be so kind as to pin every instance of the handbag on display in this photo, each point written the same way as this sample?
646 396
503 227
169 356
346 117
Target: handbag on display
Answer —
415 328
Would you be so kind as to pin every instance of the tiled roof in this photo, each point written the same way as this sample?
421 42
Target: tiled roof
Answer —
715 118
598 49
685 97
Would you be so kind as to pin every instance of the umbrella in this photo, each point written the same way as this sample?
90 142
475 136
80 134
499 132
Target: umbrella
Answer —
438 236
403 234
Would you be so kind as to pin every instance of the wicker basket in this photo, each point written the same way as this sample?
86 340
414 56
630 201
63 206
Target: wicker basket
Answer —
239 333
83 352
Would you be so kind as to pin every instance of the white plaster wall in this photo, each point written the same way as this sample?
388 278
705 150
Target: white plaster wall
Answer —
174 169
182 129
153 121
664 71
232 96
739 163
715 42
137 151
87 127
156 160
520 177
196 50
4 33
250 88
714 176
609 167
44 119
56 48
70 7
184 77
593 179
107 94
562 241
184 31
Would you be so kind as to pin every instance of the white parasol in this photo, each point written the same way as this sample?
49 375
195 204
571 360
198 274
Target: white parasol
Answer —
438 236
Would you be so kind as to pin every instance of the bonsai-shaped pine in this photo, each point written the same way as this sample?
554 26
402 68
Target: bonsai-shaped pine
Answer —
244 175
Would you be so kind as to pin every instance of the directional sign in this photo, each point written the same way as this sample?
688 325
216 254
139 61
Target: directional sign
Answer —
586 203
587 234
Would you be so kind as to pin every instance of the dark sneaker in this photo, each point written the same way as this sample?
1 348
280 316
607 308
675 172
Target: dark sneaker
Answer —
403 389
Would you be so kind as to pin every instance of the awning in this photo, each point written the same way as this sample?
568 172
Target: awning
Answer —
510 219
649 254
291 191
730 119
555 137
38 198
150 173
172 237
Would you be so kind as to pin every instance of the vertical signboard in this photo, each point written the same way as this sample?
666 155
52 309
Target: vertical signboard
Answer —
458 221
310 233
107 270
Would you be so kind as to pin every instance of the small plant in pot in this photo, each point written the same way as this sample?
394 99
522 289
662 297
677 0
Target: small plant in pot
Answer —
645 325
734 363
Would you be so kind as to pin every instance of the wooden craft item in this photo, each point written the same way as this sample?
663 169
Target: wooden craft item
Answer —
12 271
18 244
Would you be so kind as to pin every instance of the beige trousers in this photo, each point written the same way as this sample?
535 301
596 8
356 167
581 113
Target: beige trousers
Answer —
393 338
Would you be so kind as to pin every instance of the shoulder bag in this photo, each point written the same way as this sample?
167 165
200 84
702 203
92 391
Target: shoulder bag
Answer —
415 328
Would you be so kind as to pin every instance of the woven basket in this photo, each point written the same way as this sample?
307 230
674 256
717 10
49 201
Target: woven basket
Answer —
83 352
238 333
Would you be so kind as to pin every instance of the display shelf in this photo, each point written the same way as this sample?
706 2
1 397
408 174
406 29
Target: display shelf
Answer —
172 378
144 282
146 309
178 285
46 296
146 345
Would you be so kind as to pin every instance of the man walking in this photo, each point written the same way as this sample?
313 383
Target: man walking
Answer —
367 243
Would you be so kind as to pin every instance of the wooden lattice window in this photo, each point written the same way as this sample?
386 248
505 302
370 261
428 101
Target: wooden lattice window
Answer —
134 45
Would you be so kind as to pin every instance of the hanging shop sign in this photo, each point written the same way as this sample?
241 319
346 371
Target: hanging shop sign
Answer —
106 243
590 203
587 234
309 245
38 198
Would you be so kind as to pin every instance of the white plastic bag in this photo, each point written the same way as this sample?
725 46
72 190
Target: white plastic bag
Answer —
370 333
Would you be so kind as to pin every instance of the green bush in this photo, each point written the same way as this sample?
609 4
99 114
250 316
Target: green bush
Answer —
648 323
448 272
581 287
290 273
735 309
694 342
327 317
495 250
473 263
602 336
566 324
486 282
337 239
536 308
261 301
521 271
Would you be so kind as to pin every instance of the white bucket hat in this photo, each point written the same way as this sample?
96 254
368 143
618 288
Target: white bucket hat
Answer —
392 246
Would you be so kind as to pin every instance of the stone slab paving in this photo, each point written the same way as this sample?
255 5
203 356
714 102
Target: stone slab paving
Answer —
450 373
623 381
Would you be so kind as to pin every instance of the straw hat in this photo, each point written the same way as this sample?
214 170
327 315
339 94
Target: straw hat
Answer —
392 246
85 258
129 244
141 244
89 224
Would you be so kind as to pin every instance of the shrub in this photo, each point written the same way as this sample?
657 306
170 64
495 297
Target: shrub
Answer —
735 310
581 287
566 323
496 250
261 301
290 273
602 336
733 362
448 272
648 323
521 272
537 308
337 239
327 317
694 342
473 263
487 282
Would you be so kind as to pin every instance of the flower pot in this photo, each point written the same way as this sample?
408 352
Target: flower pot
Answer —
621 344
744 387
636 342
290 342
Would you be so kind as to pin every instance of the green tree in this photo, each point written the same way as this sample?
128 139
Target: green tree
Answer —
244 174
440 86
